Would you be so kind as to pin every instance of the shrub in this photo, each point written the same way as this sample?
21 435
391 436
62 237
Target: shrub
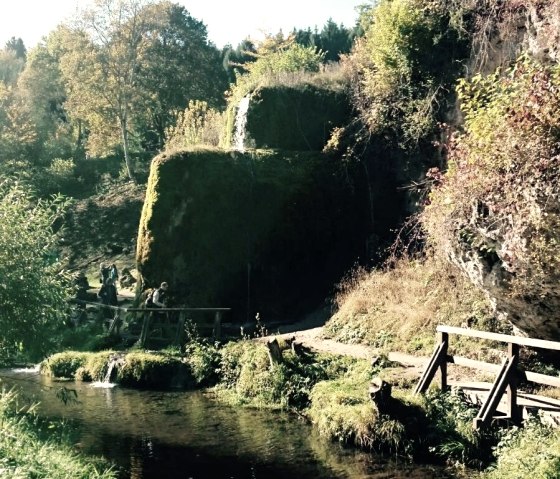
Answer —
498 204
33 290
64 365
533 451
197 125
204 362
404 65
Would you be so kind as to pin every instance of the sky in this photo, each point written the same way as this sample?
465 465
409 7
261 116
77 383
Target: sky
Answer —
228 21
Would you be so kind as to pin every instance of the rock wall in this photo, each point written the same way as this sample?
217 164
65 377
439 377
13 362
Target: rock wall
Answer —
295 118
532 28
263 232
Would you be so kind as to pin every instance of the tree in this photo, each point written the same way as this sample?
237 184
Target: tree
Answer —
33 291
17 46
42 95
131 65
177 65
101 65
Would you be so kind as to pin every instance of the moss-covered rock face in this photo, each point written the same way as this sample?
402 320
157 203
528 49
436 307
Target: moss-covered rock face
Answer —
258 232
295 118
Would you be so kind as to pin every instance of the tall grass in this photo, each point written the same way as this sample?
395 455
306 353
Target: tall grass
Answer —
399 307
27 452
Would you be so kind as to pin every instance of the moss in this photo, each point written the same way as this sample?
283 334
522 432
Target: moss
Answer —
138 369
63 365
259 232
153 370
295 118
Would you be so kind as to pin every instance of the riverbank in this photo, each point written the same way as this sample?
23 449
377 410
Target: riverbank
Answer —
31 447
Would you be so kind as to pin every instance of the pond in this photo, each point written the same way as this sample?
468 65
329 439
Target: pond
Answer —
168 435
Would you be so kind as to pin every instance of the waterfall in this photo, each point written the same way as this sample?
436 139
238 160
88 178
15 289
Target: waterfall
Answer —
241 123
114 361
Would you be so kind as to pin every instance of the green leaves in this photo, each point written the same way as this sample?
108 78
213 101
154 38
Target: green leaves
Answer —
33 290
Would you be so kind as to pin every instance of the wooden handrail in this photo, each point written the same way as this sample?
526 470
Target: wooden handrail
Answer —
505 338
508 375
127 309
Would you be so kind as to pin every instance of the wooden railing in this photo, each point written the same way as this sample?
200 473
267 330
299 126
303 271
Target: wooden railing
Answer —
509 373
152 318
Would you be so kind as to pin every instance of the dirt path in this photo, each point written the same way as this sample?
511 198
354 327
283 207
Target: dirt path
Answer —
310 333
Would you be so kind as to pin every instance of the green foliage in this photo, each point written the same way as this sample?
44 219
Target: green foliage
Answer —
152 370
532 451
451 435
404 66
204 362
58 177
25 453
500 198
33 291
275 60
64 365
197 125
247 377
341 410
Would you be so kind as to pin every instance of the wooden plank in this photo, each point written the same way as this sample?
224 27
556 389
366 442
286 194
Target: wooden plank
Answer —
541 378
444 340
474 364
513 411
488 409
537 378
435 361
505 338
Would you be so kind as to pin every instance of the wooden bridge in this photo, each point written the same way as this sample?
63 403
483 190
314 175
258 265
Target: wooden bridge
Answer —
162 325
502 400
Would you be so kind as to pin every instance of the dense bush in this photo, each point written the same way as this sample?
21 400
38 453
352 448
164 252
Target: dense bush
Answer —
33 290
404 65
499 201
533 451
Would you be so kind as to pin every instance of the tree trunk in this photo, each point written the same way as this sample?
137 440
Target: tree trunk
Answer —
124 135
274 353
380 394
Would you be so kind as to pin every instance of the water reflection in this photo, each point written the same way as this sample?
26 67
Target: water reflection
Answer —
189 435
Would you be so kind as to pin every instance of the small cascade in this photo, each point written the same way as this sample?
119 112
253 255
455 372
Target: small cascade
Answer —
241 124
114 362
30 370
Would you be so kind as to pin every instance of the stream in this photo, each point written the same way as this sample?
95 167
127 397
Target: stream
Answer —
189 435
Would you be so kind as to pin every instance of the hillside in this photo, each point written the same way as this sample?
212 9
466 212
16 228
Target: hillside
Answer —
103 228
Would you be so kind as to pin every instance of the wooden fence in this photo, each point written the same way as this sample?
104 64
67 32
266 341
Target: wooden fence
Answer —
509 373
164 324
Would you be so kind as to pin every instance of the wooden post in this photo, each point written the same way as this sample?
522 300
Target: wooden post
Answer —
145 328
180 329
217 330
514 411
115 326
444 341
274 352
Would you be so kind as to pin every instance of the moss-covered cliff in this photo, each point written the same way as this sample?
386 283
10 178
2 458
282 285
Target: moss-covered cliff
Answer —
259 232
293 118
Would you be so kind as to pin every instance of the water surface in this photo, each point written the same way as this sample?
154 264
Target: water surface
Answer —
169 435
